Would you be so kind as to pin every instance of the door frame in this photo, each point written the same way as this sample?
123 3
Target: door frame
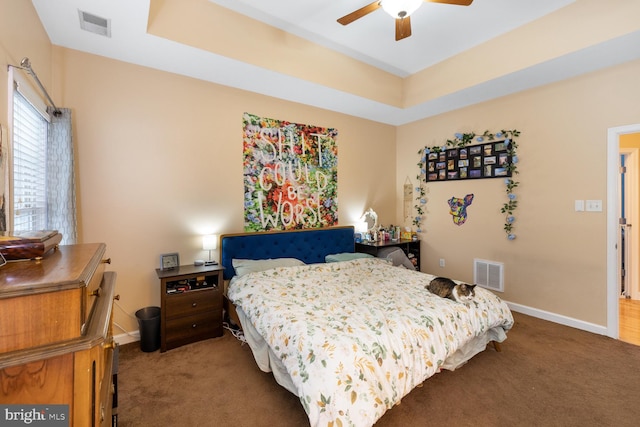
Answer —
613 160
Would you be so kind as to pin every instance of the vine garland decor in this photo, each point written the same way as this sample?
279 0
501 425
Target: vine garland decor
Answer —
462 140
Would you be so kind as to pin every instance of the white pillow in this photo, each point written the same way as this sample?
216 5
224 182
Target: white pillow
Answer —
246 266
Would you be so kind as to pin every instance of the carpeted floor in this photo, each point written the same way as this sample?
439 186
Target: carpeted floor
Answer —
546 375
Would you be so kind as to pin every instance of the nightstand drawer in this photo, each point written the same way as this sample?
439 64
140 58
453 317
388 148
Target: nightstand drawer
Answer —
193 302
184 330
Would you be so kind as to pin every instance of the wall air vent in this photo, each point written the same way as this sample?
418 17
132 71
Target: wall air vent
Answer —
488 274
94 24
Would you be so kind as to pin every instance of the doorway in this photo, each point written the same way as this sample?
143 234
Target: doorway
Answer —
628 217
628 291
622 238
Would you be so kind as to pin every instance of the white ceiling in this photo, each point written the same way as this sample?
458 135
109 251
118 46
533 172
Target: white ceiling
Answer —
439 31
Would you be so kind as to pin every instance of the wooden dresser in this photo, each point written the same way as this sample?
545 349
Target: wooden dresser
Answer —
56 343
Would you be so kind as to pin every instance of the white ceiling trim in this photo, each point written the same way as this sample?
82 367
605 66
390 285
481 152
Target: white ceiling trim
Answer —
132 44
202 65
439 31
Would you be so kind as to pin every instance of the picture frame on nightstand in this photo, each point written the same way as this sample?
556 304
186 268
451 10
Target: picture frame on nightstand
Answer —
169 261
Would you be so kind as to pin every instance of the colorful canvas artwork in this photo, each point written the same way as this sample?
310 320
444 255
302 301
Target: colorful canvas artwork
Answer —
290 175
458 208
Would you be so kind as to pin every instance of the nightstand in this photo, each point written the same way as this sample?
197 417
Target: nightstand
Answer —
191 304
410 247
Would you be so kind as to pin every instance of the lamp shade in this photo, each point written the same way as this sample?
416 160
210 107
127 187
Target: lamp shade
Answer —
400 8
209 242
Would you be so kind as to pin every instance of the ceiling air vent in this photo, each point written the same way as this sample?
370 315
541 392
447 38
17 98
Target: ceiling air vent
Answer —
95 24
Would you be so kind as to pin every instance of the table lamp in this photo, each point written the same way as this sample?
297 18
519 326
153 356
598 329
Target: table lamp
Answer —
209 243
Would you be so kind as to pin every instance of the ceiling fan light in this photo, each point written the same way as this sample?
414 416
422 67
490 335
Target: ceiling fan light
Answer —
400 8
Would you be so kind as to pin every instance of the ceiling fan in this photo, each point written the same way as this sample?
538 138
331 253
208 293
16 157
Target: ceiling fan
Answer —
398 9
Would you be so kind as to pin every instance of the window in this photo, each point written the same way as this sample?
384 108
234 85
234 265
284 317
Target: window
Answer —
29 166
41 179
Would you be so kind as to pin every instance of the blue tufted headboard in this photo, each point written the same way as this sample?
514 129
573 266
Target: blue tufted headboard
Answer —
310 246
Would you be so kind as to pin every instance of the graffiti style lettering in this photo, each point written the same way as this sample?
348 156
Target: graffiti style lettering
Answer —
290 172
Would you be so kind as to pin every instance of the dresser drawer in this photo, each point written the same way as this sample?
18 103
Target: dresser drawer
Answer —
45 301
93 292
193 302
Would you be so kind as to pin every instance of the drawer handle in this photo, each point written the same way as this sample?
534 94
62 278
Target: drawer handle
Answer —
110 344
194 304
106 261
194 326
96 293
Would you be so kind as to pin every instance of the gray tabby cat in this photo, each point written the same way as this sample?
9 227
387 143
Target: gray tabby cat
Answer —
447 288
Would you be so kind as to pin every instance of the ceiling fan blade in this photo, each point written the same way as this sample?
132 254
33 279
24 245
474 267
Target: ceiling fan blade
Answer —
403 28
357 14
456 2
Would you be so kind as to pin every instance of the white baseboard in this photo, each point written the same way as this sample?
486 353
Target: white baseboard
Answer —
558 318
127 337
130 337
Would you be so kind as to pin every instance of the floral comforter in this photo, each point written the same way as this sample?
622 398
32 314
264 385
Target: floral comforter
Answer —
357 336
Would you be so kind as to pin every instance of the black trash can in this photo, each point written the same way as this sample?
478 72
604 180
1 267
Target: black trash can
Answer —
149 325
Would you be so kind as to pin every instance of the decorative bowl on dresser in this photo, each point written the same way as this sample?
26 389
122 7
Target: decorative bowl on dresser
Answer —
56 342
28 244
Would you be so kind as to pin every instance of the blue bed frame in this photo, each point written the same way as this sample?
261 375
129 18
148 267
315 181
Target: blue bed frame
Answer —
310 246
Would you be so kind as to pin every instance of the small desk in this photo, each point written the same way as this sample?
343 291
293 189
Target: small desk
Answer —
410 247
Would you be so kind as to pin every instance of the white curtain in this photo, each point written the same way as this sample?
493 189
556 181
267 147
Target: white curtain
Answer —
61 191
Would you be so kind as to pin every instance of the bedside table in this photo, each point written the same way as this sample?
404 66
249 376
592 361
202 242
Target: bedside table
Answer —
191 304
410 247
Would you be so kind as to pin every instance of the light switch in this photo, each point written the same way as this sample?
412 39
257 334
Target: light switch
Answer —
594 205
579 205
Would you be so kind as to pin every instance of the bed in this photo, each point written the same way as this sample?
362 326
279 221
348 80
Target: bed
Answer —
350 338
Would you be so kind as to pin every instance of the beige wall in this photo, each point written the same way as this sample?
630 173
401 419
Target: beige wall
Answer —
159 164
558 261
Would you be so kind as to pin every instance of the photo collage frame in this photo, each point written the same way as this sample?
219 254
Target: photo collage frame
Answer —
485 160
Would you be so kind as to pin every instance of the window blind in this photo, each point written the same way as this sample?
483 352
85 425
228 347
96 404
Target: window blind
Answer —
29 166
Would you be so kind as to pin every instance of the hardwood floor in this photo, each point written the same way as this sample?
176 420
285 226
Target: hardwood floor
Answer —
630 321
